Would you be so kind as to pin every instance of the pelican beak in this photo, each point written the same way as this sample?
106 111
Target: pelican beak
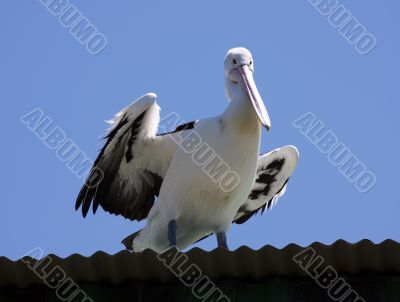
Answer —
244 77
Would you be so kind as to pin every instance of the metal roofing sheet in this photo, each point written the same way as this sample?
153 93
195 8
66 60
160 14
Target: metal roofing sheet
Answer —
360 258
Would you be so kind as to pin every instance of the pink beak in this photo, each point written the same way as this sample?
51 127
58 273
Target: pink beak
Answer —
244 77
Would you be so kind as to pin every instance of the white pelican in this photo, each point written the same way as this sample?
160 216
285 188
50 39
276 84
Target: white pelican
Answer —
137 165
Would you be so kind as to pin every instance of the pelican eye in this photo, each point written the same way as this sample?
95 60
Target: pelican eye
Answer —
234 61
251 62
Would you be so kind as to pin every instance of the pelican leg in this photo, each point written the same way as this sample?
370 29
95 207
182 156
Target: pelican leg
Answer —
172 232
221 239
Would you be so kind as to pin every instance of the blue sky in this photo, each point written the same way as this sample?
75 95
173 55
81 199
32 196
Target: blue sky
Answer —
176 49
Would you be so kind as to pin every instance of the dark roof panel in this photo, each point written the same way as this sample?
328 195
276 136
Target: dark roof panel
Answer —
363 257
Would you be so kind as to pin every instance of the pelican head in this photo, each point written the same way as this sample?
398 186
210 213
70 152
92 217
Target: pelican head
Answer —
239 68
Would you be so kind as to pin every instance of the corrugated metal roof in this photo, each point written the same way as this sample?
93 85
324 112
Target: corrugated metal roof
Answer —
360 258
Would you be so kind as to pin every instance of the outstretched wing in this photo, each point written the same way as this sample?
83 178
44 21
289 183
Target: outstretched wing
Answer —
127 174
274 170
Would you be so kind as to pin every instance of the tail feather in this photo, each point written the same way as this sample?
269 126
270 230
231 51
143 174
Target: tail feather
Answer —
128 241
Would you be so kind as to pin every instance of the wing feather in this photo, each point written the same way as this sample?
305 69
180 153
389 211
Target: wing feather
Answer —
128 172
274 170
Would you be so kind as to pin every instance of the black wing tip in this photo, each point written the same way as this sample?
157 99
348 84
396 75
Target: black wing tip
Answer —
79 199
84 200
78 204
94 207
86 207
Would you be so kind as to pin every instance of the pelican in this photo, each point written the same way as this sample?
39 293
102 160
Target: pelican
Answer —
205 174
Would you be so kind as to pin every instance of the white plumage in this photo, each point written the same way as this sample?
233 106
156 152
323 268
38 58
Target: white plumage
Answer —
138 165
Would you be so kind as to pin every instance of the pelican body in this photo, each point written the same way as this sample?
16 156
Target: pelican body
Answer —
136 165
